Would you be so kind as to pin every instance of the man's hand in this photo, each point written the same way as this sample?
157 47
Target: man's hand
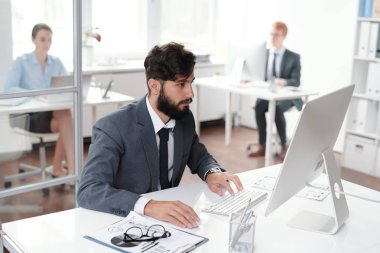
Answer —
216 182
174 212
280 82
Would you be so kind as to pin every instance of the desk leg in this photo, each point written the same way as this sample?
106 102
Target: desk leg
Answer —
93 112
228 123
196 110
268 144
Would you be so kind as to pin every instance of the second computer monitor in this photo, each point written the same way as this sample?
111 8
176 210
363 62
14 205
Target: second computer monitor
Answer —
311 150
254 55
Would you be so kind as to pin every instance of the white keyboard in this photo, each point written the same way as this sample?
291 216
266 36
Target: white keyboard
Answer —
232 204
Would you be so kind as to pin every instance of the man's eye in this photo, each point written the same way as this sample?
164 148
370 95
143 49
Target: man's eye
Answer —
181 84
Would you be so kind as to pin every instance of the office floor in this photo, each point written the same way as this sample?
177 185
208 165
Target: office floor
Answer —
231 157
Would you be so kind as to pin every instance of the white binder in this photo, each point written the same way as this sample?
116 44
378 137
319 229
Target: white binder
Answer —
364 39
373 80
372 49
362 117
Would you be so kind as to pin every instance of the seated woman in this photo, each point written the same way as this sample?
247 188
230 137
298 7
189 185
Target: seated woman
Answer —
34 71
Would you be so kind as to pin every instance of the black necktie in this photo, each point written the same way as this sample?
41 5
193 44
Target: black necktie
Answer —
164 175
274 66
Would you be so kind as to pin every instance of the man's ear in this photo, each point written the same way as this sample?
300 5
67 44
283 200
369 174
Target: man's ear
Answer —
154 86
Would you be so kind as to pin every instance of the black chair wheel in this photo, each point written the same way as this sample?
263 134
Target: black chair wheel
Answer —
46 192
249 146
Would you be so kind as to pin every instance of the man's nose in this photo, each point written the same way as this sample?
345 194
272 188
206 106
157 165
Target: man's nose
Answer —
189 91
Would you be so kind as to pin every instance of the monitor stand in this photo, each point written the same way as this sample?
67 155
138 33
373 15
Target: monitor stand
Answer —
308 220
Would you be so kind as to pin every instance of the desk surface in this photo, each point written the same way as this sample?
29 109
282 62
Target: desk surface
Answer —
40 104
63 231
256 88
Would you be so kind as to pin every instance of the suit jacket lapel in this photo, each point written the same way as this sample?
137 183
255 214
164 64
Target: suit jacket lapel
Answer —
148 139
283 63
178 150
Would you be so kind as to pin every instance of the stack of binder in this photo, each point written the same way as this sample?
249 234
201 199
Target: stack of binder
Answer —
369 8
369 40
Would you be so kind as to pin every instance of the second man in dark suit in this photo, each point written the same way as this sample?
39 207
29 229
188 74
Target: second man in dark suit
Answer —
283 68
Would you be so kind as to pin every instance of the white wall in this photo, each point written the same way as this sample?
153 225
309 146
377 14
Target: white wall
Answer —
322 32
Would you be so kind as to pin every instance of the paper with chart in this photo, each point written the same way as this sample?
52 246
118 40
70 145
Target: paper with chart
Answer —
177 241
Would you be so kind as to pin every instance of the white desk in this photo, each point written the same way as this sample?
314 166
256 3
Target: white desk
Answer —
94 98
64 231
40 104
221 83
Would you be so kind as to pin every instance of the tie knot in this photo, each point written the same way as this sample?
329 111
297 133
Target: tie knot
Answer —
164 134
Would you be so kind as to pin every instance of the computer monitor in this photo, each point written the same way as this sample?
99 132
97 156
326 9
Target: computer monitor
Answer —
311 151
68 81
254 55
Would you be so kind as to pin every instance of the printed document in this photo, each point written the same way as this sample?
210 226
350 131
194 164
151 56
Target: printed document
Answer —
174 241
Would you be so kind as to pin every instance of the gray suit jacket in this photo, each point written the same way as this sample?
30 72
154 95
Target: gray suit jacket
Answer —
290 70
123 160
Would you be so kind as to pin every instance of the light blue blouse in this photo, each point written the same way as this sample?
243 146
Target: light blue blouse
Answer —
26 73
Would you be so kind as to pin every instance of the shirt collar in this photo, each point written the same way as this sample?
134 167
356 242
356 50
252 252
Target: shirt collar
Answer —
279 51
33 58
157 122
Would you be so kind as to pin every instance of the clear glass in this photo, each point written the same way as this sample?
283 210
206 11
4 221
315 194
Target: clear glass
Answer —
36 117
29 155
242 232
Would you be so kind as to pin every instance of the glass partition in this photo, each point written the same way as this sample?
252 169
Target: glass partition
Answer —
41 97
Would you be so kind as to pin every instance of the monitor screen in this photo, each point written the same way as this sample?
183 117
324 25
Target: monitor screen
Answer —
254 55
311 150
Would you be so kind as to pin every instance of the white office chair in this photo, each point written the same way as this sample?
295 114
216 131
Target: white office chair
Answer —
28 170
16 149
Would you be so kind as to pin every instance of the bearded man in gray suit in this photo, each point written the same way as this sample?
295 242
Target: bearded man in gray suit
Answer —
125 158
283 68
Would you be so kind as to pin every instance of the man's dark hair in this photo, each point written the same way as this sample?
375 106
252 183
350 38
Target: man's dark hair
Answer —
38 27
169 61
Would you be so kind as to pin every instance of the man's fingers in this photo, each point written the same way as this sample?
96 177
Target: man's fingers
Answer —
185 214
175 221
174 212
217 180
235 179
185 221
228 187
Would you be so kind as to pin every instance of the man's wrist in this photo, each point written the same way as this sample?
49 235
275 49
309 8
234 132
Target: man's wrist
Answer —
211 171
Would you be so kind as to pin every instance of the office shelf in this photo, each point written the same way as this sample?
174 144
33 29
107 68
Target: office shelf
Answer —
365 96
356 57
362 135
360 19
372 136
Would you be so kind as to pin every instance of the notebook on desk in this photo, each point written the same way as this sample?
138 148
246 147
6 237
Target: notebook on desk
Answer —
67 81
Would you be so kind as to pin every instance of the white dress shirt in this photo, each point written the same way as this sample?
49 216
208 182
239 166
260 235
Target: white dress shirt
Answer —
157 125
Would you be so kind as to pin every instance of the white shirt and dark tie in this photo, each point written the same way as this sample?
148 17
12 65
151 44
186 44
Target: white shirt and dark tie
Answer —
158 125
274 63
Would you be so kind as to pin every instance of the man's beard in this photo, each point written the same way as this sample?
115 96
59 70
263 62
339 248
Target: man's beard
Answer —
166 106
